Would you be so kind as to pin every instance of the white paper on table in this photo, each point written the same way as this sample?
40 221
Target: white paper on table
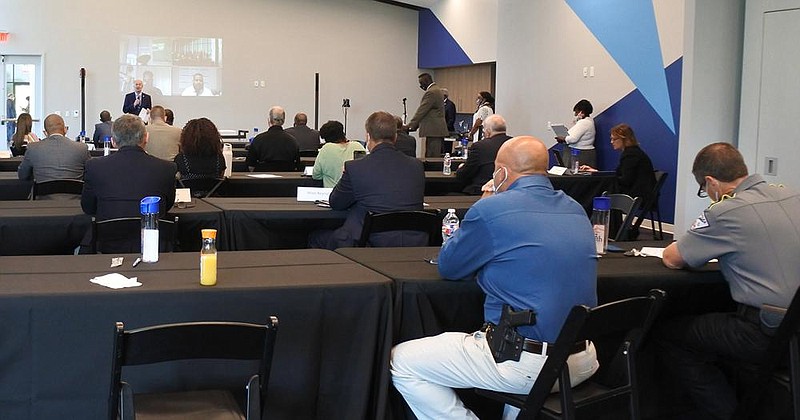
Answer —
264 176
5 154
183 195
649 251
313 193
116 281
557 170
308 171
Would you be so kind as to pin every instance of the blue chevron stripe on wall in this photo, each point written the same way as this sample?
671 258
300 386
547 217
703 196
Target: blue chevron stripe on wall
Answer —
436 47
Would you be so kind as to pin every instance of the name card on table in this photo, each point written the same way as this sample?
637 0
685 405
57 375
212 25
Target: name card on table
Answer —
557 170
308 171
313 194
183 195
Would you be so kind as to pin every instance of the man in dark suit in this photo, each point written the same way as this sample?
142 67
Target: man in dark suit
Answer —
478 168
103 129
383 181
307 138
136 100
114 185
449 111
274 150
405 142
54 157
429 117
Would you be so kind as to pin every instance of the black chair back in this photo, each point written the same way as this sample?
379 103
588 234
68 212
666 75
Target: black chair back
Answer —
123 235
619 325
627 205
309 153
276 166
194 340
650 206
202 187
56 186
427 221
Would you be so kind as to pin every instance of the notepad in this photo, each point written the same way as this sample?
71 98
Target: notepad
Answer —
560 130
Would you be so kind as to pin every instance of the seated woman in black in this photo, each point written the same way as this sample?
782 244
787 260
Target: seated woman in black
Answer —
635 175
200 151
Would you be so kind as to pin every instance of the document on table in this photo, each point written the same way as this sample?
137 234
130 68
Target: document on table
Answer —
264 176
649 251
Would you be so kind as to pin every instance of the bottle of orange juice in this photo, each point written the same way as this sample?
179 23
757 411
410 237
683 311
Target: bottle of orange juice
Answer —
208 258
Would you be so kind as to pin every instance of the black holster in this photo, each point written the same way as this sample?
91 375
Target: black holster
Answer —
504 340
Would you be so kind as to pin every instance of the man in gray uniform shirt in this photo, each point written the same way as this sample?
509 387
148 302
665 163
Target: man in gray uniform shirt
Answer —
752 228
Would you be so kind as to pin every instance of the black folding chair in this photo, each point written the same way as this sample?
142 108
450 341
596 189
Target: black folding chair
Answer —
629 207
202 187
624 322
123 235
651 208
191 341
427 221
57 186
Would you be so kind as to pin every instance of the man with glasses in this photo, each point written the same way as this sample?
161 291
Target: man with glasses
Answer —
752 228
506 241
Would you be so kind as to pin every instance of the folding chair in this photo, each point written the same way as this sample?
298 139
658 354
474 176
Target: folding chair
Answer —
427 221
57 186
202 187
123 235
628 206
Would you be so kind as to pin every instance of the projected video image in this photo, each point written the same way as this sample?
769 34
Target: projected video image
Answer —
171 66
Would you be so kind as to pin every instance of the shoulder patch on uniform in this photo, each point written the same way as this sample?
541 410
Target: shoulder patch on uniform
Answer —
700 223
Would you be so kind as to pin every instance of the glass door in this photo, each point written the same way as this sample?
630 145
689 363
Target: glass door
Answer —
21 84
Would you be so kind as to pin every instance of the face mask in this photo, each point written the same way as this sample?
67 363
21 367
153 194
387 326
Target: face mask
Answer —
577 118
423 87
496 187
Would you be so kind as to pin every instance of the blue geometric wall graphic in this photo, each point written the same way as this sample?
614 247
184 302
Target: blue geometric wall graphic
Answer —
435 46
627 30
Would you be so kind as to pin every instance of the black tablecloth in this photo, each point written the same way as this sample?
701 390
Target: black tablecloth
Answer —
11 188
331 356
10 164
281 223
56 227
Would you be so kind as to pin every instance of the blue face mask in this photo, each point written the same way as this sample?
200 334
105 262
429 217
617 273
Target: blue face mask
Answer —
495 186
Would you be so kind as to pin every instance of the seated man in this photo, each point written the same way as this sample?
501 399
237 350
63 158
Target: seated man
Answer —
54 157
274 150
506 240
115 184
478 168
163 140
102 129
307 138
751 227
405 142
383 181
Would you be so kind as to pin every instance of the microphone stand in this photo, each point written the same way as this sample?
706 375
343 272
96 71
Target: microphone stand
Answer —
83 100
405 112
345 107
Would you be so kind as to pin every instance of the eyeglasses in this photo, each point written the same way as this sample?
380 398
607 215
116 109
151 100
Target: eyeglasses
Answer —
701 192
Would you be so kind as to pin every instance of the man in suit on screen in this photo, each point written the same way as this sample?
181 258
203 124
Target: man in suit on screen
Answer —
137 100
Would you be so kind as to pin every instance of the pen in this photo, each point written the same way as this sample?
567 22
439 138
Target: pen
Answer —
137 261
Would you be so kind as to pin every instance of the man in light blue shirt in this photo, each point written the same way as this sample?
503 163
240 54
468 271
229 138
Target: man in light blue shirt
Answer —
530 247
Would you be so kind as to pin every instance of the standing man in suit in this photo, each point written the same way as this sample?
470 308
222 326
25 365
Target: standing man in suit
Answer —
383 181
163 139
114 185
429 117
478 168
137 100
274 150
307 138
449 111
55 157
102 129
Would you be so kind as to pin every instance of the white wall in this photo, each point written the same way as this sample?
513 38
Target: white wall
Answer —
711 89
472 24
363 50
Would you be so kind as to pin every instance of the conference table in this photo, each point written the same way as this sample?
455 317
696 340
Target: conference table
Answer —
283 222
331 355
57 227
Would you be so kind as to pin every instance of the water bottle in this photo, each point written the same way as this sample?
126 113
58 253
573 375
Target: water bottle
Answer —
255 133
450 225
149 209
464 147
208 257
601 213
227 154
447 162
106 145
82 138
575 164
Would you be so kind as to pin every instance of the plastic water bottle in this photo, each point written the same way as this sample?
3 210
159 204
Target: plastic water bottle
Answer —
149 209
450 225
601 213
255 133
446 167
575 164
208 258
464 147
227 154
82 138
106 145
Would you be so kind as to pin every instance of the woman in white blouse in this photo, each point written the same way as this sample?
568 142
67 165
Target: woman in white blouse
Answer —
485 103
581 135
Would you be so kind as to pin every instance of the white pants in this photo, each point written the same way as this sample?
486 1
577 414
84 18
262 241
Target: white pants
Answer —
426 370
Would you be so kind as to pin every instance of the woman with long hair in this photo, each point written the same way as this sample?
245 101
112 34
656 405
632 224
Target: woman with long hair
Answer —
200 151
23 135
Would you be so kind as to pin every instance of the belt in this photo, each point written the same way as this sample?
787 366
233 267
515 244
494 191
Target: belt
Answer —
749 313
538 347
